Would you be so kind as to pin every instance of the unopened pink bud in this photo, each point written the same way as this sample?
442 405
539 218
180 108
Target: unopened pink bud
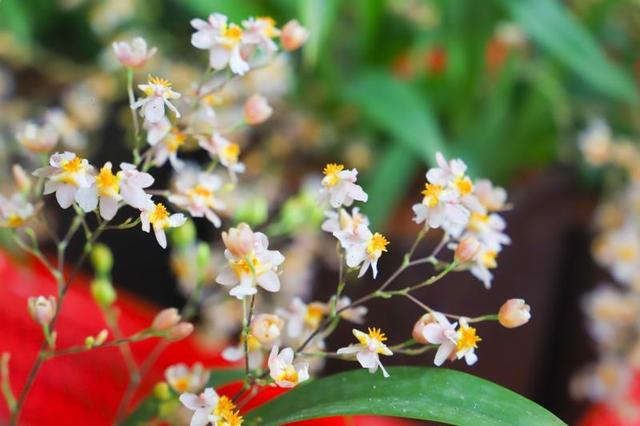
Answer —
180 331
20 177
42 309
514 313
293 35
257 110
467 249
166 319
267 328
239 241
418 328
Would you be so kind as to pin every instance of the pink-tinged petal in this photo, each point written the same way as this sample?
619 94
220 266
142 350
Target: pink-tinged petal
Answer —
199 24
87 198
218 57
237 64
213 218
191 401
108 207
269 281
286 356
45 172
433 334
437 176
202 39
227 277
200 417
355 257
367 359
51 186
161 237
242 291
141 179
65 195
444 352
153 110
357 193
210 396
135 197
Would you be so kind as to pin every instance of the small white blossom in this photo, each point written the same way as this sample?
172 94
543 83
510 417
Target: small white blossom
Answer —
181 378
65 175
202 405
157 216
134 54
15 211
368 349
167 149
225 151
267 328
293 35
439 331
223 41
347 228
596 142
158 94
36 138
488 229
261 32
283 371
257 267
339 186
156 131
196 192
366 252
302 319
493 198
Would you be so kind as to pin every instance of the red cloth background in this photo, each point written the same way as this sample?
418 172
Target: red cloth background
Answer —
86 388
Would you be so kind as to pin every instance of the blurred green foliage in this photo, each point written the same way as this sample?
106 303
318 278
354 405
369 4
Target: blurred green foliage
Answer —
423 75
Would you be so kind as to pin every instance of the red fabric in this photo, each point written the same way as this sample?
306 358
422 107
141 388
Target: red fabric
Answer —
604 415
86 388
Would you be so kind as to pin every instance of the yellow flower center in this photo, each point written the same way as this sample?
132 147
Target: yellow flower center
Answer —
158 81
175 140
181 384
626 253
201 191
233 34
159 216
477 221
489 259
107 182
431 194
289 374
73 166
224 407
331 171
314 315
377 334
253 344
464 185
246 265
377 244
231 152
468 338
270 26
15 221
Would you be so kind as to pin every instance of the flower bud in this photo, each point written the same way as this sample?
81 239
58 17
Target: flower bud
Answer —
418 328
102 259
89 342
101 337
166 319
467 249
293 35
203 256
161 391
134 54
184 235
514 313
266 328
20 177
239 241
103 292
180 331
42 309
257 110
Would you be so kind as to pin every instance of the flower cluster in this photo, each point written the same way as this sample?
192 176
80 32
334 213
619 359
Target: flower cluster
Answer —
612 310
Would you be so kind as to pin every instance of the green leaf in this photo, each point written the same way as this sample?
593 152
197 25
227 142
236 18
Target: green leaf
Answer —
387 185
15 18
318 16
394 107
148 409
551 25
439 395
236 10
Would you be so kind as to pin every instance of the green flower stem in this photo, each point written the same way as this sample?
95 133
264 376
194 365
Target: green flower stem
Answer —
134 118
6 384
138 337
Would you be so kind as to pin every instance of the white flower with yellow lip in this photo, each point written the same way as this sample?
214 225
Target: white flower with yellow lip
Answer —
488 228
158 94
437 330
283 371
227 152
65 175
267 328
157 216
441 208
339 186
15 211
181 378
134 54
223 41
256 267
619 251
110 189
467 342
452 175
347 228
210 408
168 147
596 143
493 198
302 319
485 260
36 138
196 192
260 32
365 252
367 351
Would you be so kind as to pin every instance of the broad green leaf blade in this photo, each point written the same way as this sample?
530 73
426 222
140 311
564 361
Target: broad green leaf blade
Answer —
551 25
394 107
148 408
234 9
318 16
440 395
387 184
